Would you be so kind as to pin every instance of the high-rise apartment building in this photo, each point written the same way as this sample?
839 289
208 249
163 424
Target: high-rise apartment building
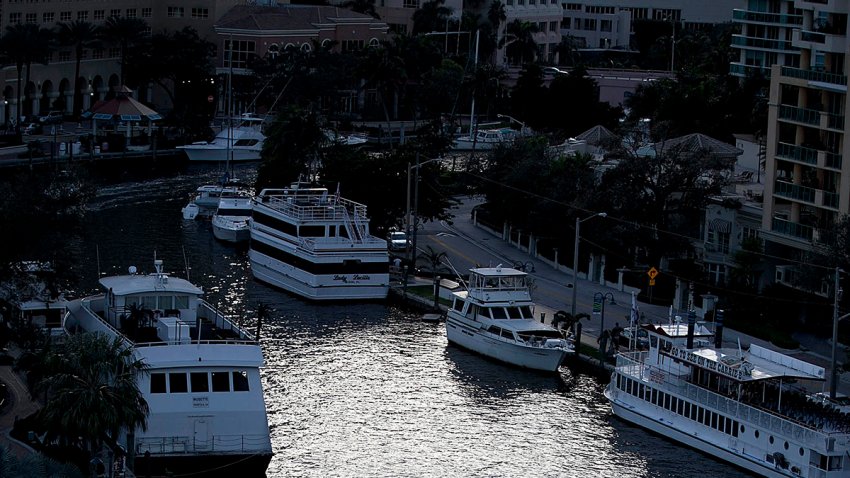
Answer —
807 188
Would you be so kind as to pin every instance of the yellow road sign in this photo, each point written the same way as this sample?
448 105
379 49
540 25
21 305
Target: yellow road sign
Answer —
652 273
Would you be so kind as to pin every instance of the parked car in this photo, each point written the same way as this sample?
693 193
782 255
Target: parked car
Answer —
32 128
53 117
397 241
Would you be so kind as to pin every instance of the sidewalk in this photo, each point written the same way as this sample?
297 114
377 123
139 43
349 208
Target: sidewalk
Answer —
552 293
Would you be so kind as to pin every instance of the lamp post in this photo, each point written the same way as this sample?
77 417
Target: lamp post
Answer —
411 234
833 383
575 257
601 298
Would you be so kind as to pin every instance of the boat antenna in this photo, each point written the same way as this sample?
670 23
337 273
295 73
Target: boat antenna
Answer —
186 262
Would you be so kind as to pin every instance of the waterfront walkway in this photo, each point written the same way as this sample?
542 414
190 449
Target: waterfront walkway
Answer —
20 405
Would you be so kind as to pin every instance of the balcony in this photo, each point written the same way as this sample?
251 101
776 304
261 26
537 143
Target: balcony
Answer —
795 192
797 153
792 229
823 41
800 115
830 200
742 70
833 161
764 17
812 75
763 43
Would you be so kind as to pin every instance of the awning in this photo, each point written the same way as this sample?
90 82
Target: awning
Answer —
721 226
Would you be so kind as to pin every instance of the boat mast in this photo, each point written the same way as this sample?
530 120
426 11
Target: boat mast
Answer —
228 163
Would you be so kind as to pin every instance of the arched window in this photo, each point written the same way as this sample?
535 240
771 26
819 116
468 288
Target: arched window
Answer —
373 43
306 47
274 51
290 46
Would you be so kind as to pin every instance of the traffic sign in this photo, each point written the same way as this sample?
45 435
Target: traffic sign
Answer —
597 305
210 98
652 272
651 282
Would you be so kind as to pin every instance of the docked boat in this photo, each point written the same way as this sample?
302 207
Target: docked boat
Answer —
486 139
205 200
230 221
243 142
746 407
203 387
495 317
316 245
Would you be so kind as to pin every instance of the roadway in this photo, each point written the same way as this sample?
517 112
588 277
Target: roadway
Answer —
467 245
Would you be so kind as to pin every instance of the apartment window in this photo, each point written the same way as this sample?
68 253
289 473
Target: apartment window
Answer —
353 45
567 23
640 13
411 4
175 12
401 28
520 2
83 15
553 26
717 274
600 10
15 18
115 12
64 56
605 25
667 14
47 17
99 15
114 52
590 24
532 2
32 18
200 13
97 53
65 16
146 12
573 6
131 13
241 51
541 27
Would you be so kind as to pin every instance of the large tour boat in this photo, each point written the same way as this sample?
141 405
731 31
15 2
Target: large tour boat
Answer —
316 245
203 388
495 317
752 408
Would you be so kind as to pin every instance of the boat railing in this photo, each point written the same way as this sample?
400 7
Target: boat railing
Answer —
314 207
317 244
226 221
94 322
216 443
219 320
632 365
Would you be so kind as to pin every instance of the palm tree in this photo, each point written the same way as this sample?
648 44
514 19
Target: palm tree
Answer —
34 465
362 6
93 391
383 70
80 35
519 40
433 263
23 44
125 32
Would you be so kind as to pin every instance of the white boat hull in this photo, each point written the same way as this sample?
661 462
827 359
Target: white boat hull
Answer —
317 287
473 338
211 153
662 426
227 234
467 145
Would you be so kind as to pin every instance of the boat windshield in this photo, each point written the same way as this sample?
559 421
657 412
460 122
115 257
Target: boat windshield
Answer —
546 334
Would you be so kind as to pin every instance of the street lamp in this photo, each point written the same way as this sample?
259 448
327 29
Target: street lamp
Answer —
575 257
407 221
522 125
600 297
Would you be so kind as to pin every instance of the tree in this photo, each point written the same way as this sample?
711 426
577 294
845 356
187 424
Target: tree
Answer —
34 465
93 391
292 147
126 33
366 7
431 17
80 35
24 44
519 41
383 70
433 263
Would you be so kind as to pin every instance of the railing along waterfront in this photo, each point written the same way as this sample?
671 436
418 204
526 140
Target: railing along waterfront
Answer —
813 75
631 365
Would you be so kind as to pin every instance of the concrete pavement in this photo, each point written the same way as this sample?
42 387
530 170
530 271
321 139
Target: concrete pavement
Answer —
552 291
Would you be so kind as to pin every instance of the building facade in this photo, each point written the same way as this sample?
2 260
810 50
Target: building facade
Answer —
765 37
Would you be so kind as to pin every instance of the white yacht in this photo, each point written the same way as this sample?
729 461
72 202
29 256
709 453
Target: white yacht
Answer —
233 143
746 407
230 221
486 139
203 387
495 317
317 245
204 201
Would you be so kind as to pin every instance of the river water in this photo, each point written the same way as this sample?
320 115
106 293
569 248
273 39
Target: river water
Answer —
366 389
